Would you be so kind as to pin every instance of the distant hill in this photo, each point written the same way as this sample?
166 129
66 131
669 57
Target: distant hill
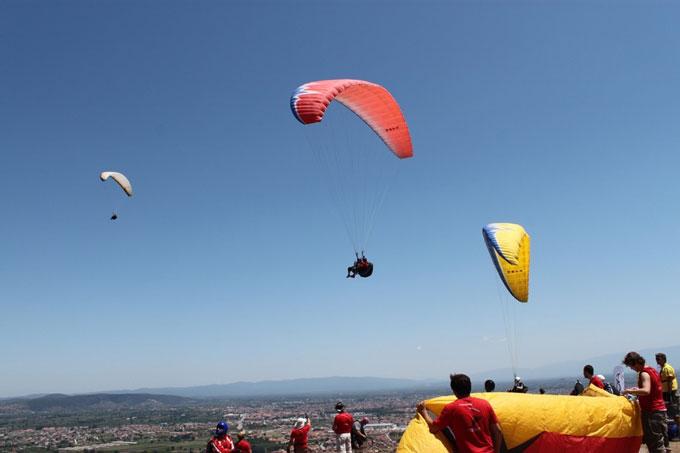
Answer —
308 386
563 373
603 364
95 401
568 370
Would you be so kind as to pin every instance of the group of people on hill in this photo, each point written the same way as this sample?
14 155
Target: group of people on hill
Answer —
472 426
517 386
472 422
656 392
349 434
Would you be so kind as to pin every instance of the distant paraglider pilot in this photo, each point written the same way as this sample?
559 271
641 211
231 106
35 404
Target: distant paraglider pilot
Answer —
361 267
122 182
220 442
518 386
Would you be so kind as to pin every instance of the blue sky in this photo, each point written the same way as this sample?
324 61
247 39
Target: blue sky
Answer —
228 263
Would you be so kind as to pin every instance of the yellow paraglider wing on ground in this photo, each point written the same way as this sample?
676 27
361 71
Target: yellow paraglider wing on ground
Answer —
576 423
417 438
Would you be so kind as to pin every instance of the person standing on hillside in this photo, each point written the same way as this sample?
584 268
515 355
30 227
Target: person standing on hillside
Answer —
650 398
472 420
342 426
242 446
299 435
358 433
221 442
669 385
589 373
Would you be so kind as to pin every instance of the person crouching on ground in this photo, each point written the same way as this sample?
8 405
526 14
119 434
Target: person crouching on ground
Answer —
589 373
299 435
342 426
650 397
472 420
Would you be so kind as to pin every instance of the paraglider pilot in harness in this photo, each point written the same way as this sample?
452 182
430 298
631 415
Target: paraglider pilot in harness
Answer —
361 266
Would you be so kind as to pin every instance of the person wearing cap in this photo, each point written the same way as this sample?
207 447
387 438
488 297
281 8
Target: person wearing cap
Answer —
589 373
342 426
220 442
650 399
242 446
358 433
299 436
472 420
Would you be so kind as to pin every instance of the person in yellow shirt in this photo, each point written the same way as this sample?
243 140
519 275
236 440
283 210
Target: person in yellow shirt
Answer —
669 386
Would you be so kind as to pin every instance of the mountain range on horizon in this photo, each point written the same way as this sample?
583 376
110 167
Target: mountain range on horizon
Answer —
339 385
603 364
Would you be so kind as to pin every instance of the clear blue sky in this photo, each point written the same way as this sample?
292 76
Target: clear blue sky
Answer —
561 116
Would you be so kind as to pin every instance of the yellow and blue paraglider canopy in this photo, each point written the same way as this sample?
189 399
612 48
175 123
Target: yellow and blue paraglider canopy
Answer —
509 247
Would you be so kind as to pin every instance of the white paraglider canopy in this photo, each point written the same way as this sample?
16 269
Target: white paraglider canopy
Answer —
120 179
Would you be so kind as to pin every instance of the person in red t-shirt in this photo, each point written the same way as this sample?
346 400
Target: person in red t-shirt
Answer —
472 420
220 442
650 397
299 435
589 373
342 426
243 446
